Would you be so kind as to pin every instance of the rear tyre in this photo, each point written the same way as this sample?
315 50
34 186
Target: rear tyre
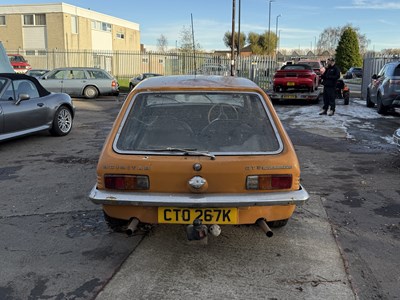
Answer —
346 97
116 225
381 108
278 223
62 122
369 102
90 92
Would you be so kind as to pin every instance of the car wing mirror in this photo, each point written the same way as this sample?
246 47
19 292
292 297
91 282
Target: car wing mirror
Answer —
22 97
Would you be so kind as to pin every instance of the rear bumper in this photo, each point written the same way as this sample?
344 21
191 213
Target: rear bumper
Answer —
198 200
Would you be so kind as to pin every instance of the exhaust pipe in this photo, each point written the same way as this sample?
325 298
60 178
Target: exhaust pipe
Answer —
264 226
132 227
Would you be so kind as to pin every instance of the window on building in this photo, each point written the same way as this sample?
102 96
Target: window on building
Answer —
2 20
145 60
74 24
101 26
120 35
106 26
39 19
28 20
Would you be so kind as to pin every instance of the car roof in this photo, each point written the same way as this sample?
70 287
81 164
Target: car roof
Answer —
197 82
17 76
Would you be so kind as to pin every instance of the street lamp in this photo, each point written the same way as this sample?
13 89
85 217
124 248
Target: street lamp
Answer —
276 32
269 21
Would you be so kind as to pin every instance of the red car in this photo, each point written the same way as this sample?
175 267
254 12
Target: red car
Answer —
19 63
295 77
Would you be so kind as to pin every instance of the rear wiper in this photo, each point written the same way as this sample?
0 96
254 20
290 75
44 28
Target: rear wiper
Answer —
185 151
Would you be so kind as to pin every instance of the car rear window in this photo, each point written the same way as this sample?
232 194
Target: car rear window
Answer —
232 123
98 74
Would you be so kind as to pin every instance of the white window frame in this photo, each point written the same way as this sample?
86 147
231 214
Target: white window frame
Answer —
34 19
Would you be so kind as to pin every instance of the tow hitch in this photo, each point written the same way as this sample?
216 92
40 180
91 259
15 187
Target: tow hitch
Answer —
197 231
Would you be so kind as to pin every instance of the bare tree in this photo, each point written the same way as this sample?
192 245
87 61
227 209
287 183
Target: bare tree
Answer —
186 39
162 43
329 39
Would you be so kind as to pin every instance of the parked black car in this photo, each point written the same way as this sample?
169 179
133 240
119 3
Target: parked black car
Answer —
354 72
384 89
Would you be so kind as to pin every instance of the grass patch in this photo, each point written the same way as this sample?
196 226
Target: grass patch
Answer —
123 85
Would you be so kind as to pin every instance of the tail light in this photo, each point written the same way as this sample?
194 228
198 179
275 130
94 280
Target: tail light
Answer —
126 182
269 182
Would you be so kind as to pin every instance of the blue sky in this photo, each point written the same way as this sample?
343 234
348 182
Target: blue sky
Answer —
300 23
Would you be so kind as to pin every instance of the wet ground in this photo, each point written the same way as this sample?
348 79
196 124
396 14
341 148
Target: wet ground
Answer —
350 161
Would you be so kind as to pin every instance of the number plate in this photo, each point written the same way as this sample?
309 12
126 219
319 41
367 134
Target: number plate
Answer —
179 215
290 83
289 96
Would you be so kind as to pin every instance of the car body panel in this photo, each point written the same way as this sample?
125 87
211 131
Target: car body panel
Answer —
385 86
354 72
19 63
73 81
22 117
140 77
224 168
295 76
37 72
316 65
396 138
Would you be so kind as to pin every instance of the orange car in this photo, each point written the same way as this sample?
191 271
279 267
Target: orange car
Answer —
198 150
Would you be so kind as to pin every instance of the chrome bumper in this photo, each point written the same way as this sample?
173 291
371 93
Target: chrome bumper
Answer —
198 200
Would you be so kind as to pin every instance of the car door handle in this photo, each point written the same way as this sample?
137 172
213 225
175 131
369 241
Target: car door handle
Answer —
40 104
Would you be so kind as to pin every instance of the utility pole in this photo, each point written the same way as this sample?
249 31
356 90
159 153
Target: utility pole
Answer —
233 39
269 25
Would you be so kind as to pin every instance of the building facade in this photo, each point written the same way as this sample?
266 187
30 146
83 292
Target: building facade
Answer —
62 26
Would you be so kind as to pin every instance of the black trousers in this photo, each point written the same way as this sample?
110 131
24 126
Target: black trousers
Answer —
329 97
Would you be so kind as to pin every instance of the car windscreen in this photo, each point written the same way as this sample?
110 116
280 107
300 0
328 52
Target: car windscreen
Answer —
231 123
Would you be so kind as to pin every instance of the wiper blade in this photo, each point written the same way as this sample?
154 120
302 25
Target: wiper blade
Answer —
185 151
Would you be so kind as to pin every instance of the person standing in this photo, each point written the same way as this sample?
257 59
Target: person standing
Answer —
329 80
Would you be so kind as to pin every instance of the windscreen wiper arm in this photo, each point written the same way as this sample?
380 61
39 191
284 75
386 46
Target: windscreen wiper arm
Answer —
185 151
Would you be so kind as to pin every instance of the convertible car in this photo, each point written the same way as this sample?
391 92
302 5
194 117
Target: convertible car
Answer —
26 108
198 150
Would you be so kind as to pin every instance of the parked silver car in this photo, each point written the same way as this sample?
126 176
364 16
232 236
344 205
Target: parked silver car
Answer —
78 82
26 108
138 78
396 138
384 89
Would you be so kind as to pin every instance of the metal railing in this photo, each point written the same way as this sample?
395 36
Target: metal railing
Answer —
126 64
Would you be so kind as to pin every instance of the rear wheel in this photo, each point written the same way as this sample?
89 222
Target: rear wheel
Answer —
381 108
346 98
369 102
90 92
